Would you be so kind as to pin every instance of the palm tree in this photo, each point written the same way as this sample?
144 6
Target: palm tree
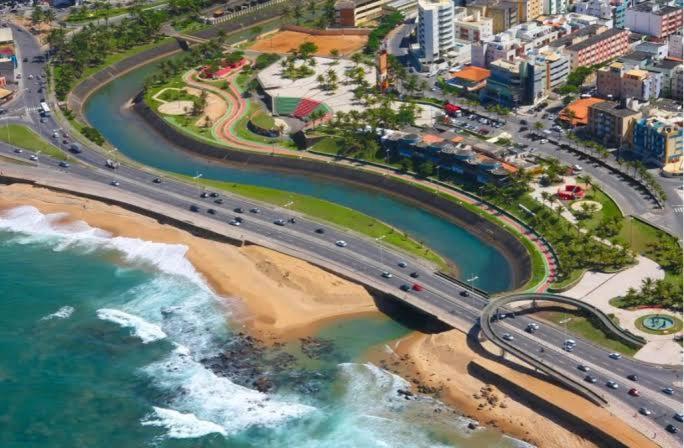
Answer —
546 196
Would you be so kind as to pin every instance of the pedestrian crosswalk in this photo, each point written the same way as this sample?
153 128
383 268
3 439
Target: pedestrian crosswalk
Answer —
678 208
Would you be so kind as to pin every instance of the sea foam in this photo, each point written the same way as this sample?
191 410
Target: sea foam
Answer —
146 331
181 426
64 312
36 227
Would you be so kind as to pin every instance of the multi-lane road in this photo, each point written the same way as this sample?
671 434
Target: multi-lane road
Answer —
363 256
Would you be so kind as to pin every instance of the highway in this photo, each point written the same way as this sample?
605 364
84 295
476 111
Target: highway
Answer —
362 255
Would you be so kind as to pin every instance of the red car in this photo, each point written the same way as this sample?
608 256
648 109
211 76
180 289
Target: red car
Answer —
417 287
634 392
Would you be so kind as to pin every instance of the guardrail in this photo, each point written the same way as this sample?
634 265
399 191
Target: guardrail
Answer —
491 309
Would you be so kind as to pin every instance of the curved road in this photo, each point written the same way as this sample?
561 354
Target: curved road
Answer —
364 257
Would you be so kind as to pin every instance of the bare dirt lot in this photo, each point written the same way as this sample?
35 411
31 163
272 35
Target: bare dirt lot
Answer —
284 41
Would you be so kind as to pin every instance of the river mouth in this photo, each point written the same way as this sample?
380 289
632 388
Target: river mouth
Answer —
123 128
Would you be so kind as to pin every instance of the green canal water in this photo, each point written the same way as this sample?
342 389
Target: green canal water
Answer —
106 111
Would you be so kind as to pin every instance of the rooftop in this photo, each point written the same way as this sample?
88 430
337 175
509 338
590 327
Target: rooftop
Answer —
472 73
577 112
655 8
6 35
614 108
582 32
593 40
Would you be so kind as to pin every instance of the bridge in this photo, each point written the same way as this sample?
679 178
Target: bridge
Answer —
493 309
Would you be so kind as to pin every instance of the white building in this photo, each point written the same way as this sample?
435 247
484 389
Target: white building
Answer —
674 42
435 28
472 26
596 8
533 35
502 46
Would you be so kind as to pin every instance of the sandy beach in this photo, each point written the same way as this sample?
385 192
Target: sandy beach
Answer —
282 295
285 297
446 362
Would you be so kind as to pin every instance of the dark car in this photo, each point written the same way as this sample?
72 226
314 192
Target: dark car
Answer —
464 293
590 379
194 208
405 287
417 287
204 194
63 164
157 180
523 122
218 201
239 219
320 230
24 60
75 148
633 377
255 210
211 211
279 222
213 195
414 275
239 210
671 428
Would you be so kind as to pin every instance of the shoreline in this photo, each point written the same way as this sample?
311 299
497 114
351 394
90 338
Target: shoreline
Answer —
285 298
500 394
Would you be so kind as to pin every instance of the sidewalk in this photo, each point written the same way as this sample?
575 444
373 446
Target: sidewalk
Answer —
598 288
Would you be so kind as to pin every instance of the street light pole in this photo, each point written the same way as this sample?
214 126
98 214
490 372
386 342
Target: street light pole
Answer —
470 282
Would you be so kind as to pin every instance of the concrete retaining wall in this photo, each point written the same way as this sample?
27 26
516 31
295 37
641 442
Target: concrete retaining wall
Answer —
328 32
516 254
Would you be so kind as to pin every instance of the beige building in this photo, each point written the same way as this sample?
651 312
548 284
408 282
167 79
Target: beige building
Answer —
357 12
612 122
472 25
529 10
614 82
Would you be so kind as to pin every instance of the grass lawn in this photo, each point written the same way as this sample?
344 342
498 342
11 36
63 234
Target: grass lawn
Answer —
93 14
609 208
263 120
116 57
24 137
579 325
328 145
334 213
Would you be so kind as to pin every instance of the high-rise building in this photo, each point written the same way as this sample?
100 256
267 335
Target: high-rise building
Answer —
357 12
653 19
599 48
435 28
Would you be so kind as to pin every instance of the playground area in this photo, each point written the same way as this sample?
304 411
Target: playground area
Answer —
284 41
174 102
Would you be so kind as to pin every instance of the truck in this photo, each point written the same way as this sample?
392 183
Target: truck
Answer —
44 109
113 164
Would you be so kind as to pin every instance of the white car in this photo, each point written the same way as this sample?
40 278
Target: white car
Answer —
612 384
387 274
583 368
507 337
341 243
33 157
234 223
577 168
615 355
644 411
402 264
115 183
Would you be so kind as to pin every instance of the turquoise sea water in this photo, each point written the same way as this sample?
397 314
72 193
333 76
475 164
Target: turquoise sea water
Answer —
112 342
131 135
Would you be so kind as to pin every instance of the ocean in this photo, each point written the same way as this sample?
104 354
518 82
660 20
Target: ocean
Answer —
118 342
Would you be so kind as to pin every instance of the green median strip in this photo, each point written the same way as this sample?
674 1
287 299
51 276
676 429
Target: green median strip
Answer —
333 213
24 137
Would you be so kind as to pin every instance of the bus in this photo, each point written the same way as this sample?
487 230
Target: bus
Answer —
44 110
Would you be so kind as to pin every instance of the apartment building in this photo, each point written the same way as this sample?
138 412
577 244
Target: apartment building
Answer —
553 7
472 25
435 28
616 81
658 139
674 45
599 48
612 122
503 46
654 19
351 13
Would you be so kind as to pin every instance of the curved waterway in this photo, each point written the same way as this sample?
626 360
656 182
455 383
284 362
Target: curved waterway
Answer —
110 341
106 111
